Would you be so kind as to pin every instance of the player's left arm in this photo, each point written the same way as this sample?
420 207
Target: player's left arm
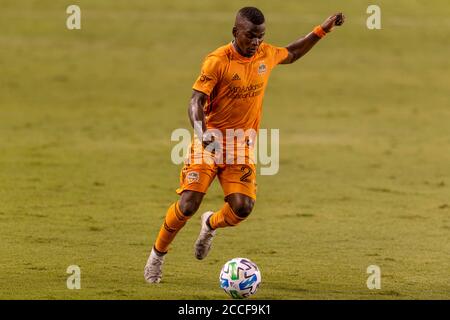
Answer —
300 47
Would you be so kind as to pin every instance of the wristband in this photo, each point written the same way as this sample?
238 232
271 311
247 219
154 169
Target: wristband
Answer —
318 31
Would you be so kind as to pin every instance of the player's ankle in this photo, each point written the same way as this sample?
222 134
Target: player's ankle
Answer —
159 253
208 223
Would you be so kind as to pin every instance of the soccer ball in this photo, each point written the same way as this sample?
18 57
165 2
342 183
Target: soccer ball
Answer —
240 278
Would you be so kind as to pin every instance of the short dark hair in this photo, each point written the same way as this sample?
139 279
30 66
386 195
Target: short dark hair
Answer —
252 14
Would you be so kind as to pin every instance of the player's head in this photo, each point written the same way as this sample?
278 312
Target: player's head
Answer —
248 30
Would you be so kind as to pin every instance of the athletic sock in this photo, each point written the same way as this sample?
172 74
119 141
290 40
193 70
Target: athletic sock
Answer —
173 222
225 217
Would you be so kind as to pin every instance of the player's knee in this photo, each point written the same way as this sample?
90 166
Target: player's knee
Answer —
243 207
189 204
188 208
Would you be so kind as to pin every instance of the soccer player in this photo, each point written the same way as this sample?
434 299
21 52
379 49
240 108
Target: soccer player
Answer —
228 94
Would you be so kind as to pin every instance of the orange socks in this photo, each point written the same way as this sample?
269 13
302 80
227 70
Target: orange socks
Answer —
174 221
225 217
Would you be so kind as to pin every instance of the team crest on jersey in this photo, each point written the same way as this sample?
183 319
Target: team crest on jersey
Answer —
193 177
262 68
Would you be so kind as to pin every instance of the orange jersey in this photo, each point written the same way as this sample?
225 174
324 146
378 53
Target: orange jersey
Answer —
235 85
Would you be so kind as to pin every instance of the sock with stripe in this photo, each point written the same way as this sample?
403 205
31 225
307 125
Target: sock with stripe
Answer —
225 217
173 222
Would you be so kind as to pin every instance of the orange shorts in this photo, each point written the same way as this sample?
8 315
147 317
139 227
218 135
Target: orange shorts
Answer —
234 178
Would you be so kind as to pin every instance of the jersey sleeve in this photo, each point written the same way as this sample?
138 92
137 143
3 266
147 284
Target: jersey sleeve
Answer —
278 54
209 76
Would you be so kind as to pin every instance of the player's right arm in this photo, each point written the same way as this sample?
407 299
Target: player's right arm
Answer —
196 114
202 89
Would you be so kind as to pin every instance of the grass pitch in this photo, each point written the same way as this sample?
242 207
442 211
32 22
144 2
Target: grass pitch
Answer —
86 176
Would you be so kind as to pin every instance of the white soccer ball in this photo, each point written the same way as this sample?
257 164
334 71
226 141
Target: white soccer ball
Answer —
240 278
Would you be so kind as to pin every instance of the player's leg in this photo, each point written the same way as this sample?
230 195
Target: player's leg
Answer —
176 217
237 208
194 182
239 185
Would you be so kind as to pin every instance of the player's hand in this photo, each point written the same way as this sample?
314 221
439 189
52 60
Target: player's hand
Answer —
209 142
332 21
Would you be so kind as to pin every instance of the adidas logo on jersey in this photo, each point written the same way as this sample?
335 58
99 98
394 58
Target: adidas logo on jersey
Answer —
235 77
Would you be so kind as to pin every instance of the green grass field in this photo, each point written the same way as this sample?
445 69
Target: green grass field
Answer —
86 176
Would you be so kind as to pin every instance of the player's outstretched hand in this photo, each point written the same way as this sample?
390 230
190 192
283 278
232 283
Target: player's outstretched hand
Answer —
332 21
